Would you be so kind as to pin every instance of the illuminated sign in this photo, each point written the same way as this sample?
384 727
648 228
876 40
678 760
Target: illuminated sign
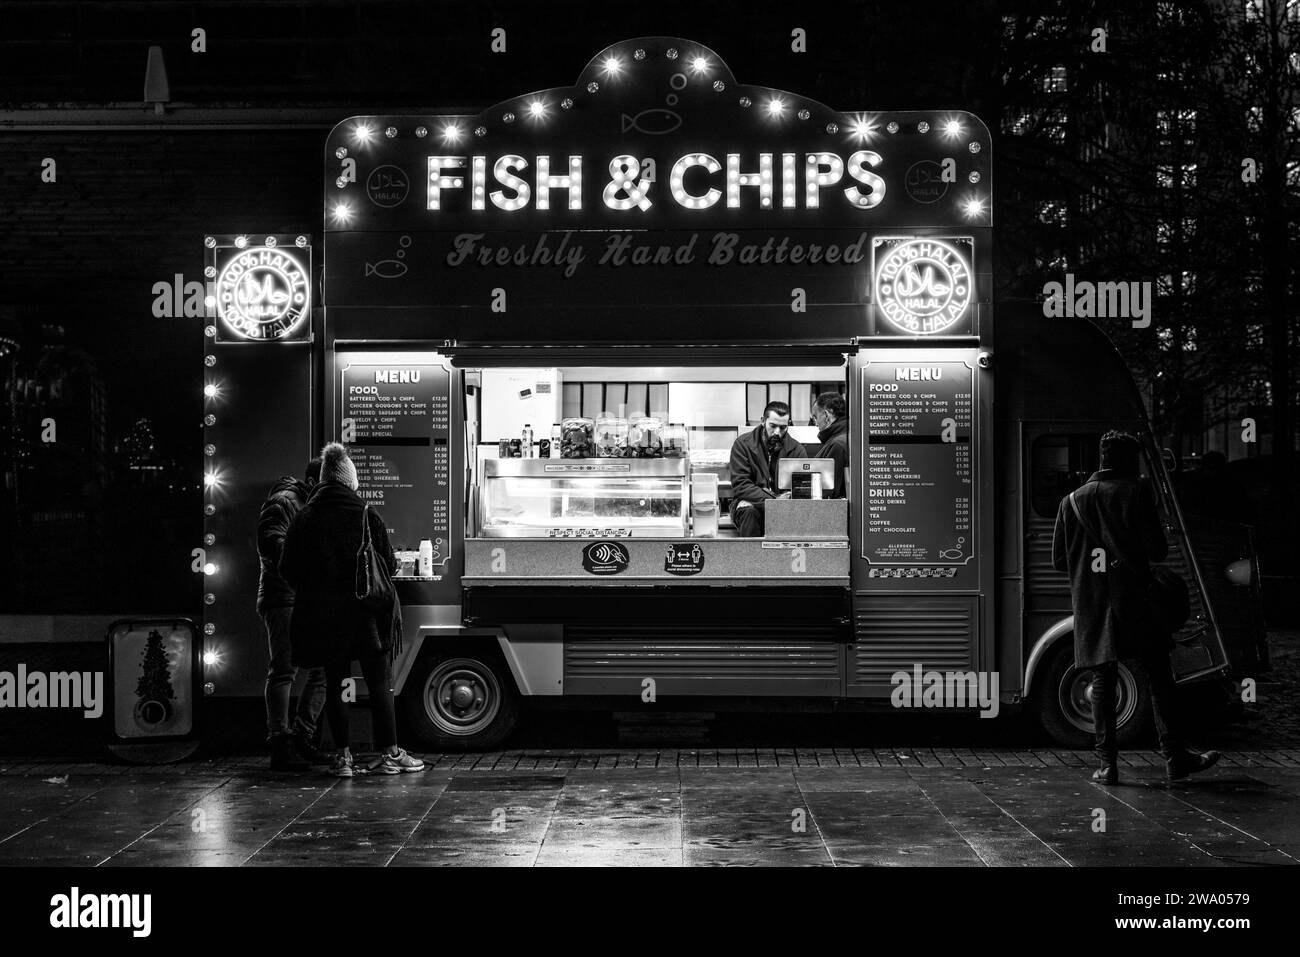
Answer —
668 139
695 181
264 293
923 287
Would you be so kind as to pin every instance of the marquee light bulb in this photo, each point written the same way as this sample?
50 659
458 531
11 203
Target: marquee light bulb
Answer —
363 133
209 569
775 107
342 212
210 390
241 242
974 207
209 658
952 128
210 301
861 127
210 479
612 65
699 64
537 108
451 133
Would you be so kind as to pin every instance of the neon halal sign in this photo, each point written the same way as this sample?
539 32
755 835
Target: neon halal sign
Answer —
263 292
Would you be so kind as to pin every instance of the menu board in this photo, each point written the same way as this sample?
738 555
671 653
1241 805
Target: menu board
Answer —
398 414
919 468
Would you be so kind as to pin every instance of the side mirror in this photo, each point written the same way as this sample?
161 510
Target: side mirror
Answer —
1171 462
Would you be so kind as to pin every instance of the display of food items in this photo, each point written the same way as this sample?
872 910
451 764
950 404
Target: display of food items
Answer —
611 436
577 438
644 438
675 444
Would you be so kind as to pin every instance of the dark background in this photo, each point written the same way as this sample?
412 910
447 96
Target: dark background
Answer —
1121 165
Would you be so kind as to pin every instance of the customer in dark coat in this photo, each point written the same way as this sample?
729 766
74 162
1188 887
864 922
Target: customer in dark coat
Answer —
292 747
1108 590
753 468
831 416
331 627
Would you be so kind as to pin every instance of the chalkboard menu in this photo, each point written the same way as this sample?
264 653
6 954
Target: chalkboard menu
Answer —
919 468
398 415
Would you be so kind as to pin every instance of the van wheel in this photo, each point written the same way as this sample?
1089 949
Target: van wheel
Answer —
1063 706
464 701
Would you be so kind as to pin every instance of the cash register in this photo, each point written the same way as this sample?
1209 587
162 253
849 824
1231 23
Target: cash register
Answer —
806 478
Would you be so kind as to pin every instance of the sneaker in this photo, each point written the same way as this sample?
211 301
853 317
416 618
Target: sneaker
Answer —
342 766
395 762
1189 763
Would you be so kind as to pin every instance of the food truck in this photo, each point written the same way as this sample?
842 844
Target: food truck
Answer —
540 328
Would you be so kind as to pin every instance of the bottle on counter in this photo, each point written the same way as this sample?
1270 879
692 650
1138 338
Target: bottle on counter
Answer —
425 565
526 442
556 441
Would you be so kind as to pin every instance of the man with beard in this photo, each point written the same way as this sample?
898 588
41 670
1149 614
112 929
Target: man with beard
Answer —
753 468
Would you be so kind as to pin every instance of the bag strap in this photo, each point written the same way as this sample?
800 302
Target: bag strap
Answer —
1094 535
365 525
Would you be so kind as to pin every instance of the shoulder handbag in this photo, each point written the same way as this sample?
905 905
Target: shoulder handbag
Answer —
372 584
1167 594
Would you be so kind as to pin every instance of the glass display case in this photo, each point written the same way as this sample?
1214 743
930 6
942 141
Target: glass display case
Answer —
584 498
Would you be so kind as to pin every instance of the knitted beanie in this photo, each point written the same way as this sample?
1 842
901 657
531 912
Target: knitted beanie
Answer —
335 466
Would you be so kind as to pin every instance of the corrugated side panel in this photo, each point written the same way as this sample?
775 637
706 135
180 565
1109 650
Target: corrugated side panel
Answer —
1046 588
600 657
894 633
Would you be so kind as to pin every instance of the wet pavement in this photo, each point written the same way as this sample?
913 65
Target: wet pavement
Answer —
881 806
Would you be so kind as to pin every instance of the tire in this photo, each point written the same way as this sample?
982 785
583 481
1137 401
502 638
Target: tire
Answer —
1061 705
460 700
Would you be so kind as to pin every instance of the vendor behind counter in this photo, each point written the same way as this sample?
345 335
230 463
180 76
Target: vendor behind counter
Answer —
754 455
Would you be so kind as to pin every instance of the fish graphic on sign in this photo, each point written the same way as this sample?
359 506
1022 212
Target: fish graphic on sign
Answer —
390 268
655 121
954 554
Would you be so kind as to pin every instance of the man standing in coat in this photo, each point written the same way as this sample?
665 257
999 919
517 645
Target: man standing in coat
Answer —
1108 590
753 468
292 748
830 415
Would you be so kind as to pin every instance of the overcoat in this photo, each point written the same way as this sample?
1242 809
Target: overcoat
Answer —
319 562
283 502
1112 613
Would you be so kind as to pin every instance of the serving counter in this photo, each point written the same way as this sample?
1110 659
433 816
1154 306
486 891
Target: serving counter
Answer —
814 554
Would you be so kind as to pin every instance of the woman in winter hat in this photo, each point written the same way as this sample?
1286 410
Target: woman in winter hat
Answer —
331 627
